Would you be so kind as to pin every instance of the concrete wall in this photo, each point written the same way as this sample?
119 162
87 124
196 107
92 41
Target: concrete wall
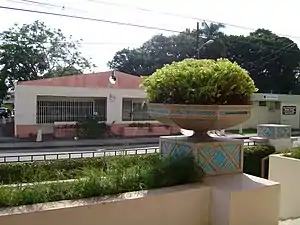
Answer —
26 100
235 199
260 115
286 171
26 96
188 205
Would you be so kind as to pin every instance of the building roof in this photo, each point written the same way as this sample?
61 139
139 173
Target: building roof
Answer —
92 80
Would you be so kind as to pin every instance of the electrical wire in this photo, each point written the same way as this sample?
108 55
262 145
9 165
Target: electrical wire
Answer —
275 52
182 16
118 23
79 42
92 19
272 59
63 7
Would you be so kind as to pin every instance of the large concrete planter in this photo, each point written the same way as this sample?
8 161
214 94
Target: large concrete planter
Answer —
200 118
187 204
217 202
285 170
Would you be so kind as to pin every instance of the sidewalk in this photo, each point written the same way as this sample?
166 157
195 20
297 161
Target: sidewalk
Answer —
15 145
79 143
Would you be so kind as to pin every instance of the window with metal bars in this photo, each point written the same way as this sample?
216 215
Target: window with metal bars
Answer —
69 110
135 110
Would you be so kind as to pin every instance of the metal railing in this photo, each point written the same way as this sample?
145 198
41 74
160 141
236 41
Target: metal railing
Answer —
90 154
74 155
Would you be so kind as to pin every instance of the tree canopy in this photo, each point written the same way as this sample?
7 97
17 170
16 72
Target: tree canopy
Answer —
33 51
272 61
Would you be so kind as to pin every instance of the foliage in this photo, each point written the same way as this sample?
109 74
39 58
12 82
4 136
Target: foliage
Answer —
293 153
192 81
160 172
34 51
92 127
272 61
139 125
253 156
63 169
161 50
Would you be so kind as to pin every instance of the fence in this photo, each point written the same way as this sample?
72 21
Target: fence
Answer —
91 154
74 155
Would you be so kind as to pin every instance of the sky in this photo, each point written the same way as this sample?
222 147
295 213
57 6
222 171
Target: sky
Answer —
102 40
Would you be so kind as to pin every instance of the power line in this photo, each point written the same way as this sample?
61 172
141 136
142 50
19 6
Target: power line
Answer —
62 7
182 16
277 51
91 19
274 58
76 41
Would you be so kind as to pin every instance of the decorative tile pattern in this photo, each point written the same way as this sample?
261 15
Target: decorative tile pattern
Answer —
194 112
273 131
159 111
284 132
214 158
266 132
224 113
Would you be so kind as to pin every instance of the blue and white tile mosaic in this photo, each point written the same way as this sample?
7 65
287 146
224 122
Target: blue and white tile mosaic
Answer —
273 131
216 158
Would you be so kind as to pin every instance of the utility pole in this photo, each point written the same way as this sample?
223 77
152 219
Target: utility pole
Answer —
198 39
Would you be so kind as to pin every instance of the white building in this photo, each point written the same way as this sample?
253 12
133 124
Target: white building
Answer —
40 104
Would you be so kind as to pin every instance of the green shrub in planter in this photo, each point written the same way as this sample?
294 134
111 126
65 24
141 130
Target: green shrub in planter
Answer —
62 169
253 156
129 174
200 82
292 153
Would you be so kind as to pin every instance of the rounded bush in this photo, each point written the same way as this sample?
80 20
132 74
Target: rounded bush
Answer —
200 82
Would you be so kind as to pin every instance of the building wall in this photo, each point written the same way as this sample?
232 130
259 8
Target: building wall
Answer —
26 96
260 114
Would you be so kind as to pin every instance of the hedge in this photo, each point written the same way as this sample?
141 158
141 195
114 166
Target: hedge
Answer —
23 172
123 177
253 156
293 153
63 169
106 175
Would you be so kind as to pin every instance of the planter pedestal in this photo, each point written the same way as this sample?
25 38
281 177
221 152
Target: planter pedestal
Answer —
216 156
237 198
277 135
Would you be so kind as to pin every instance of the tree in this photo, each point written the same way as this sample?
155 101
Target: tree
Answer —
155 53
161 50
271 60
32 51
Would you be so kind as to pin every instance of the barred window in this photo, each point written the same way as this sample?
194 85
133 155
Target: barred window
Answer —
68 109
135 110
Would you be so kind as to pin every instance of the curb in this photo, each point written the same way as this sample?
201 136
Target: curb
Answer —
76 146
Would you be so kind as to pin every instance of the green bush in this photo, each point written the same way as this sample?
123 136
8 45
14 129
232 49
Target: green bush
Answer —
200 82
253 156
62 169
131 175
92 127
293 153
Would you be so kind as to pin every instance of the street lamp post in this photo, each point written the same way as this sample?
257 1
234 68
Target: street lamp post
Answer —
198 41
202 46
